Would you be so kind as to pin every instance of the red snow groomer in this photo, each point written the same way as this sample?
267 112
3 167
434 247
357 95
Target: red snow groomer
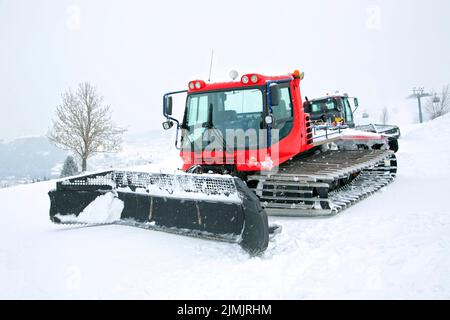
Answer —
249 150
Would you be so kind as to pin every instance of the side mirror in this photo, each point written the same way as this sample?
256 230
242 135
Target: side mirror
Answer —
167 124
355 100
307 107
168 106
274 95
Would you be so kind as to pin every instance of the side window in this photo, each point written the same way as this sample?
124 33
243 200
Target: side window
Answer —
198 110
315 107
284 110
329 105
283 113
348 112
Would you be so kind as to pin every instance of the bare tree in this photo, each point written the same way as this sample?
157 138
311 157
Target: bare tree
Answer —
83 124
439 105
384 115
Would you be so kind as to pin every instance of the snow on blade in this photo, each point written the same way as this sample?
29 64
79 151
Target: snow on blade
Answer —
217 188
106 208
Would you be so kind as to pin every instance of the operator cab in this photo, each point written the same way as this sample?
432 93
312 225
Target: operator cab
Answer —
253 124
255 105
332 110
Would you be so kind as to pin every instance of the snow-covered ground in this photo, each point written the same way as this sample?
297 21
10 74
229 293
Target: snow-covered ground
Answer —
395 244
152 147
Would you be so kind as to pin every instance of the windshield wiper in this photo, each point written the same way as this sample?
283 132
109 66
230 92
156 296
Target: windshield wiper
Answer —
209 125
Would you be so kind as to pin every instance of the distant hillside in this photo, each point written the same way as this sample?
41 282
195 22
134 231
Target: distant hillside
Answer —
29 157
35 158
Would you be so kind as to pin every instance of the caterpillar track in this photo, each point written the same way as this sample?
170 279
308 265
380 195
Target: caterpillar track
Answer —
325 183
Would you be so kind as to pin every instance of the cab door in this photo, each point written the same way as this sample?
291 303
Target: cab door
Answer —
348 113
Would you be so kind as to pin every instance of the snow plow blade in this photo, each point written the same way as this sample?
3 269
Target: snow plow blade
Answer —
206 206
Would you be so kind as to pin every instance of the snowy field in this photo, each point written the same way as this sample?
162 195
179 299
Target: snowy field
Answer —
396 244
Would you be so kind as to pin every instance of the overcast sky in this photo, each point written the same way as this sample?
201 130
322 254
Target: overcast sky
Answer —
135 51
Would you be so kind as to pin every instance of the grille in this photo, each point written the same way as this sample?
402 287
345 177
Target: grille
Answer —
205 184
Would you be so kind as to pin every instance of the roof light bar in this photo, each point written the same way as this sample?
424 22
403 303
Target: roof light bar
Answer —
196 84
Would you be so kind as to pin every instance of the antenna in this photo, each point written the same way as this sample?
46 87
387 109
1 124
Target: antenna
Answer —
210 65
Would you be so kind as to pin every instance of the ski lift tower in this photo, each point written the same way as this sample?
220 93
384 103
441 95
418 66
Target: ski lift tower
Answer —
418 93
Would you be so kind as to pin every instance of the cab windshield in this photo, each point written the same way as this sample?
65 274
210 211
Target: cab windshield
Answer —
222 111
325 105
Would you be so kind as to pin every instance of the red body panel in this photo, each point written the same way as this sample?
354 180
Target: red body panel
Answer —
237 84
264 159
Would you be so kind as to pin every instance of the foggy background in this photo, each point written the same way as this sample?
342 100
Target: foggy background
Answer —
135 51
